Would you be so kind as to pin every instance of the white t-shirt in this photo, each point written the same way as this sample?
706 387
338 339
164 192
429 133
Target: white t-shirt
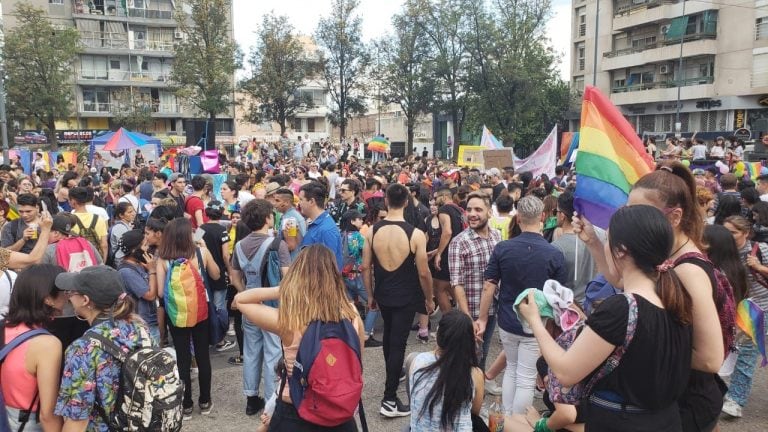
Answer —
244 197
717 152
98 211
699 151
6 286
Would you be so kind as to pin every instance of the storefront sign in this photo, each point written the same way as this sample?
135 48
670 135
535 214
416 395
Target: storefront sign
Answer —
742 134
738 118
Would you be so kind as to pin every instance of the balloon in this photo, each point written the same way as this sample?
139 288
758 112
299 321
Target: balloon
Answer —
723 169
763 170
687 163
738 169
719 164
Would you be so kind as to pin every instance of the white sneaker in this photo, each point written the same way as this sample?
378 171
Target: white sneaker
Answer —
731 408
226 345
231 331
492 388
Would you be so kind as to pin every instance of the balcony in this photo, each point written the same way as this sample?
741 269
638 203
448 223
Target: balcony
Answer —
113 10
150 13
659 12
105 109
698 45
106 42
690 88
761 30
123 77
626 7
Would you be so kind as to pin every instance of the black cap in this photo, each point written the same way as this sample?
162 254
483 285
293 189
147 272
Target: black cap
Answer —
63 223
102 284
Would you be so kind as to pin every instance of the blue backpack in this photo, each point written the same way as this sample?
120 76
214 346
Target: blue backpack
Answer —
263 270
326 384
18 340
597 290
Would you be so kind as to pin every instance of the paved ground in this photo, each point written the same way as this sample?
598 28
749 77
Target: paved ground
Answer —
229 410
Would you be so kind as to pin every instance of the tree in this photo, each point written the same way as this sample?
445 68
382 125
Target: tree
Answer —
206 58
279 67
344 60
130 111
516 89
38 60
404 74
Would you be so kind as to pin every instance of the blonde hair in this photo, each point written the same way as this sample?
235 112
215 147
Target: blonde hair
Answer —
313 290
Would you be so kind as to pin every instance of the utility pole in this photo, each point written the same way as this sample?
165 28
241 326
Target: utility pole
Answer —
597 25
678 124
3 117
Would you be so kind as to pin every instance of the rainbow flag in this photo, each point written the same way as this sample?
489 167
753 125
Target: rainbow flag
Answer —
378 144
751 320
610 160
754 169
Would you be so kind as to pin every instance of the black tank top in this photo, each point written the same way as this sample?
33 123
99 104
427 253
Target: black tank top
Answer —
400 287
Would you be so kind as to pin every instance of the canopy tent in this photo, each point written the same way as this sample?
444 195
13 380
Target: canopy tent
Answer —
117 148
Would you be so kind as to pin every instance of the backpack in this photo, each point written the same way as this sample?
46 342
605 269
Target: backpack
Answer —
722 295
462 216
267 273
74 254
150 392
186 299
573 395
348 263
18 340
90 232
326 385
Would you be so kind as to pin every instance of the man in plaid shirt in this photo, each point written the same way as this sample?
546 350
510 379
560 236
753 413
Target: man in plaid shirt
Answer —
468 255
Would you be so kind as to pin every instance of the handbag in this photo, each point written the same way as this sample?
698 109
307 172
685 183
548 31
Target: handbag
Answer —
572 395
218 318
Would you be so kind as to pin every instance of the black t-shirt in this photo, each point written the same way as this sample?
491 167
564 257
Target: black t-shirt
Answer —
497 190
215 236
454 212
653 373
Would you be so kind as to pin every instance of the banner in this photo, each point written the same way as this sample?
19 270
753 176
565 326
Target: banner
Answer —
543 160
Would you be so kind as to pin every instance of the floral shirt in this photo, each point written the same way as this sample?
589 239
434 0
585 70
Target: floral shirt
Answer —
89 371
354 248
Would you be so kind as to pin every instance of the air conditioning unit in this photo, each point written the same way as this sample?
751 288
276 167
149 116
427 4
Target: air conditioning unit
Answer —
663 29
178 35
665 69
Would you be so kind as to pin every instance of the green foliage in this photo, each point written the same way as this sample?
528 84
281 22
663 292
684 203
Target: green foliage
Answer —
207 57
130 111
38 60
345 60
403 71
516 88
279 68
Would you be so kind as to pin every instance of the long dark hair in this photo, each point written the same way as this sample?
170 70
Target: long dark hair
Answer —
177 240
726 256
453 385
644 233
728 205
32 286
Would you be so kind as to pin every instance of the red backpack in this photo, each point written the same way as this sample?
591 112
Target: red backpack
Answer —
326 385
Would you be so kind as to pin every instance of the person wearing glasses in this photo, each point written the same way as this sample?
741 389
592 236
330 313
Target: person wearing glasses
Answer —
349 199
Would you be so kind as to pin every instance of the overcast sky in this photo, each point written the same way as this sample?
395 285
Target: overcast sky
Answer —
377 14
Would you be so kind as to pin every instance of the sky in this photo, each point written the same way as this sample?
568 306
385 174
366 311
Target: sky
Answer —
305 14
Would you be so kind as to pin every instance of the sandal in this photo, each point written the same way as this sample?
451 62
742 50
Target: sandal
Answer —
236 360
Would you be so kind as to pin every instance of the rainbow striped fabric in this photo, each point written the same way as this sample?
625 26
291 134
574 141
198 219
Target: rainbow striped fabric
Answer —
186 301
378 144
610 160
751 320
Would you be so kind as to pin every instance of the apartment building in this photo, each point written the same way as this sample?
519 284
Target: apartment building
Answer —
127 58
707 60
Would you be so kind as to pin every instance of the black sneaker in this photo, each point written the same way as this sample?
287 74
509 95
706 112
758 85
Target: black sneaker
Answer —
372 343
187 413
424 339
394 408
254 405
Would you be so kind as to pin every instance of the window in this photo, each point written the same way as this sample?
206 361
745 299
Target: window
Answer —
643 42
95 100
56 2
578 84
677 28
296 125
619 82
311 125
761 28
581 53
707 69
93 67
582 24
114 64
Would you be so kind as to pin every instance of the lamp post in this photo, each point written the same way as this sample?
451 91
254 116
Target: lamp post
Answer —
678 125
594 62
3 118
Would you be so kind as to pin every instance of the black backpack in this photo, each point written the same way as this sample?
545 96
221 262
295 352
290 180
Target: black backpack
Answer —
150 394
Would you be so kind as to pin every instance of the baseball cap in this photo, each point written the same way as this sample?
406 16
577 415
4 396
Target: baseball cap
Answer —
62 223
271 188
493 172
102 284
698 171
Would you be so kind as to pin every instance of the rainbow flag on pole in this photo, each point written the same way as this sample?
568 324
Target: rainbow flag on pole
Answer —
751 320
610 160
378 144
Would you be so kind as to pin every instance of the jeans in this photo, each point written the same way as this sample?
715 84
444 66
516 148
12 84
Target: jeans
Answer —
487 335
220 299
520 374
260 349
154 333
355 288
741 380
197 335
397 327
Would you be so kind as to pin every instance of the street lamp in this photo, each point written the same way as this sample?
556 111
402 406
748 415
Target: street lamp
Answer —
678 125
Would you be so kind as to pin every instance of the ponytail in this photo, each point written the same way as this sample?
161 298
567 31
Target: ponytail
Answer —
123 308
673 295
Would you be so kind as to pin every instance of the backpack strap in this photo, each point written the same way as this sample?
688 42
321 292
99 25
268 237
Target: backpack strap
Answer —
94 220
259 257
108 346
18 340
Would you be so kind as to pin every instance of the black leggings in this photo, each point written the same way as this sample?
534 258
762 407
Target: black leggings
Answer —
234 313
198 336
397 327
286 419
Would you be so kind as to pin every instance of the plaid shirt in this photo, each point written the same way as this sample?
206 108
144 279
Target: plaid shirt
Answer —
468 255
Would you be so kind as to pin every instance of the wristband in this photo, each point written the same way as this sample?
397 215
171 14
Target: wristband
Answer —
541 425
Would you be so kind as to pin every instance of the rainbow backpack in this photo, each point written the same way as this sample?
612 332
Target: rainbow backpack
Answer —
186 300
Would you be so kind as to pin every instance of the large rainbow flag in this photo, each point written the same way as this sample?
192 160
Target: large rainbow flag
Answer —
610 160
378 144
751 320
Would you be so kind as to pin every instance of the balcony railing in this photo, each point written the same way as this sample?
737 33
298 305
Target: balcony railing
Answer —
121 75
115 8
761 30
155 108
663 84
149 13
94 39
626 7
638 49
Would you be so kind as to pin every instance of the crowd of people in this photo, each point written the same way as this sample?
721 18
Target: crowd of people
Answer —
627 329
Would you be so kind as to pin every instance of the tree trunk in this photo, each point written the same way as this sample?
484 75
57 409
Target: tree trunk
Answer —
456 133
52 137
409 125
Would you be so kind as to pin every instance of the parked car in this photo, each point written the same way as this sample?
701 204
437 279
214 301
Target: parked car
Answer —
35 138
